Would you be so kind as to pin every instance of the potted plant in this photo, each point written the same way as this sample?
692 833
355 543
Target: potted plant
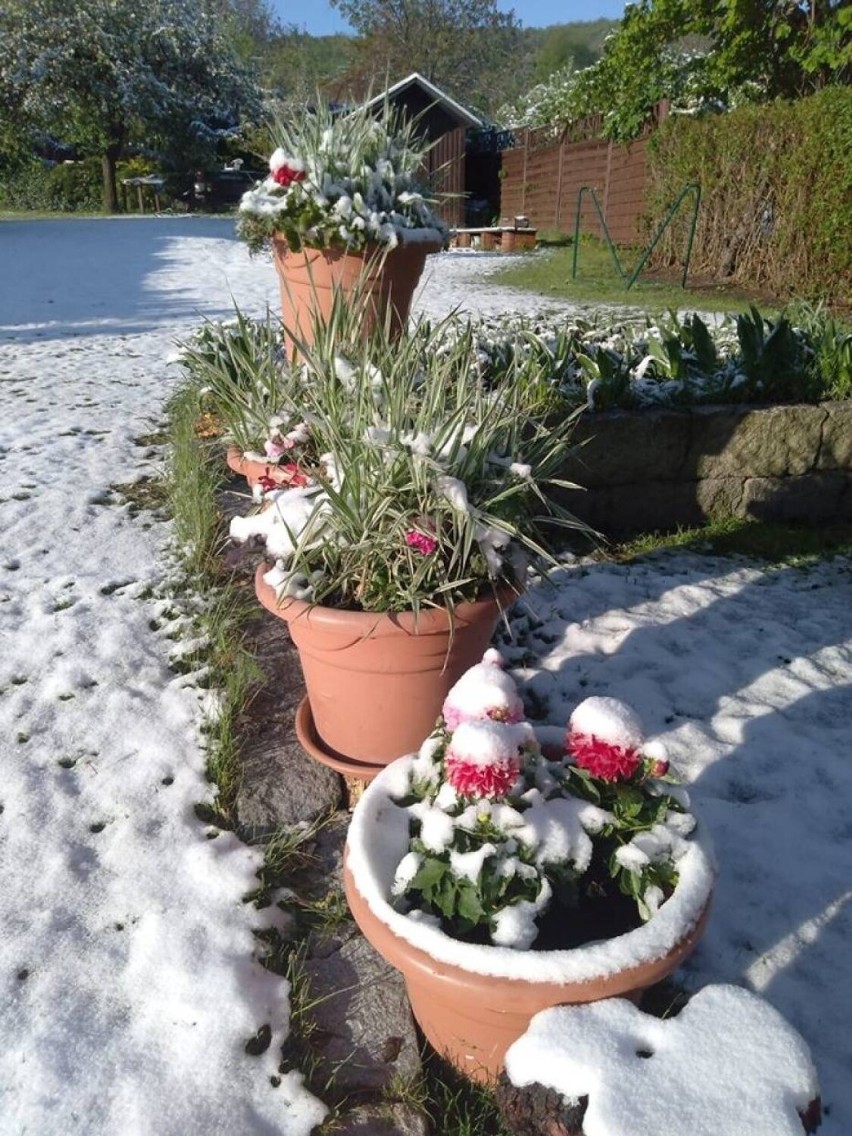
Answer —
343 211
501 881
394 556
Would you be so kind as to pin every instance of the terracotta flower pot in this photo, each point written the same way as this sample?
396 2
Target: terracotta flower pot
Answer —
252 470
376 682
385 282
472 1017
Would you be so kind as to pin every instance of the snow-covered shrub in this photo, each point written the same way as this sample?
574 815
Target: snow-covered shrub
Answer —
431 479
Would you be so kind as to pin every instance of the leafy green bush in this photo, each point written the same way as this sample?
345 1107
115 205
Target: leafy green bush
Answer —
776 183
71 187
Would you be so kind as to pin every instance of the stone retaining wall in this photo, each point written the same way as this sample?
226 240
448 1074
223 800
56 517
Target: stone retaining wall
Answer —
646 470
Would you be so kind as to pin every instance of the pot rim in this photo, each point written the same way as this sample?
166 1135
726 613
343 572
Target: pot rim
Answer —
428 244
378 835
374 624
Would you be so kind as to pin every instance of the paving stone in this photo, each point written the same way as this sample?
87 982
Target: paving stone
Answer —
364 1033
383 1120
280 785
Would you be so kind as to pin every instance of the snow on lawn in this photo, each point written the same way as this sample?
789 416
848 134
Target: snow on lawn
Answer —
127 983
128 987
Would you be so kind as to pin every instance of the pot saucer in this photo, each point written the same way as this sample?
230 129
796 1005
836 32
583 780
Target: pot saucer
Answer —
311 742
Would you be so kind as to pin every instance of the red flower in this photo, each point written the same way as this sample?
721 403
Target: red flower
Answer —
285 175
602 759
293 475
422 543
472 780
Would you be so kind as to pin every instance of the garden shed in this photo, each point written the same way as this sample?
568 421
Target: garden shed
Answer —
445 123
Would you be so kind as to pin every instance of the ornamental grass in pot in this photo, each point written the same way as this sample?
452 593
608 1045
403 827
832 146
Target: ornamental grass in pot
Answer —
393 556
501 880
342 209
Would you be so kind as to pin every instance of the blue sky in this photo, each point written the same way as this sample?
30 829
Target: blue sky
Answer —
319 18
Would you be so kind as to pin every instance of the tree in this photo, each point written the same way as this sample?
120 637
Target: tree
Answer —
463 46
102 74
748 50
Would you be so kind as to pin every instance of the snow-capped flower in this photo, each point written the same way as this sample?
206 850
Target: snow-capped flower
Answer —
499 833
604 738
483 758
483 692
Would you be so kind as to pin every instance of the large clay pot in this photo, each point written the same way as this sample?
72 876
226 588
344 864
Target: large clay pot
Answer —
472 1018
253 470
382 280
376 682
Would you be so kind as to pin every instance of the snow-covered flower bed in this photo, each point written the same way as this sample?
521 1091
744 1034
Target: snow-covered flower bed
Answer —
342 179
466 848
675 361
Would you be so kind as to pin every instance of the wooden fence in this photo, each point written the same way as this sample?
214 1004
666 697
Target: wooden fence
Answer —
543 174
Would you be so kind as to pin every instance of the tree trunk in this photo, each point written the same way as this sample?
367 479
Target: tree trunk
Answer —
116 140
108 161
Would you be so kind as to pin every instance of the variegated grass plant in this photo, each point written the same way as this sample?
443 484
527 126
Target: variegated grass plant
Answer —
342 179
434 480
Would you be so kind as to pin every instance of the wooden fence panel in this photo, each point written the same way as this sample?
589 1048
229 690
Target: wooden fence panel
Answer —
543 174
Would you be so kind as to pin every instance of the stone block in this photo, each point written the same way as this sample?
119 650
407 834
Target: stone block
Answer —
774 441
808 499
625 448
835 451
280 784
363 1034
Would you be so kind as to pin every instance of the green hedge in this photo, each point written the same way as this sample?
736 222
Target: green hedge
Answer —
67 188
70 187
776 182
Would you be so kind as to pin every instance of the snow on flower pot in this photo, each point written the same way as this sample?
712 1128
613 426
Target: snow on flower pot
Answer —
345 216
376 681
452 876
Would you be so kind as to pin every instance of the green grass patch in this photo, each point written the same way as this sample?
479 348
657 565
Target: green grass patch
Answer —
455 1106
598 282
796 545
217 608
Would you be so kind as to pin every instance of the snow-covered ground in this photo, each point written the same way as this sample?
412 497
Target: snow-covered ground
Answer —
127 983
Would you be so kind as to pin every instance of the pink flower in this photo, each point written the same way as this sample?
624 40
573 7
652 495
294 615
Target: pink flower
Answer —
483 758
659 767
420 542
472 780
483 692
286 175
607 760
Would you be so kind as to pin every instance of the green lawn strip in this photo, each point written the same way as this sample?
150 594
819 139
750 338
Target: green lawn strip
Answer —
775 544
548 271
